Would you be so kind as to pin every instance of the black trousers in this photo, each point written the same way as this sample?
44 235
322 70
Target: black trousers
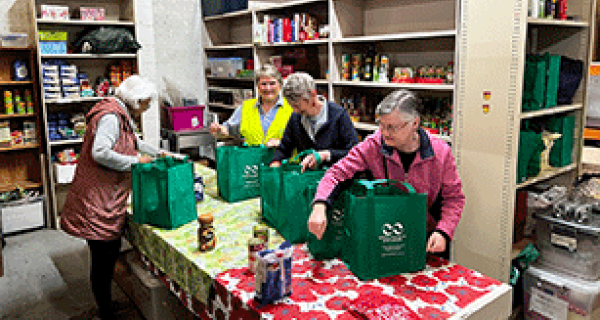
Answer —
104 256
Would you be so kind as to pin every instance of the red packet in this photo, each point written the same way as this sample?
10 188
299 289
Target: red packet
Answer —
380 307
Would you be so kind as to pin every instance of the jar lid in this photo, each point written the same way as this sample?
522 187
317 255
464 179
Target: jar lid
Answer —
205 218
261 227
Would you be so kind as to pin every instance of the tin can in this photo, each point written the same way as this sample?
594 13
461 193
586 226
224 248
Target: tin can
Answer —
261 231
255 245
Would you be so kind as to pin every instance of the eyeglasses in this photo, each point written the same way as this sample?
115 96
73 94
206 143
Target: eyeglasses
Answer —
391 128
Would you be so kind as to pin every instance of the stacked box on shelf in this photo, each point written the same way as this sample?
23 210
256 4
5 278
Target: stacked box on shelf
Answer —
51 81
69 81
53 42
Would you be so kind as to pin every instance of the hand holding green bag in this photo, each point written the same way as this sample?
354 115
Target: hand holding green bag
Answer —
283 203
237 171
163 193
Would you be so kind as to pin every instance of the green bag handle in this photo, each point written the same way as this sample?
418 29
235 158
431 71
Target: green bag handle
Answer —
170 161
302 154
370 184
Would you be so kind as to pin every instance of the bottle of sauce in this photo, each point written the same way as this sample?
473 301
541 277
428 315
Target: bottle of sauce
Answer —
206 233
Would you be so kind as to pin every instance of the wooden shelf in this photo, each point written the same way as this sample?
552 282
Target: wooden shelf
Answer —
230 47
230 79
221 105
415 86
554 22
65 142
398 37
289 44
4 187
547 175
16 48
86 23
228 15
551 111
90 56
17 116
15 83
288 4
75 100
23 147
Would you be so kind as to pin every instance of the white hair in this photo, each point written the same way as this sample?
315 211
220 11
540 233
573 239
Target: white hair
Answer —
135 88
403 101
298 85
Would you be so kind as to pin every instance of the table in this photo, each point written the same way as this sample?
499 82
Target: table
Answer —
216 284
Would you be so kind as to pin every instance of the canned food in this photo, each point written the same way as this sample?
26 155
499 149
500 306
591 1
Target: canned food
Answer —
255 245
262 232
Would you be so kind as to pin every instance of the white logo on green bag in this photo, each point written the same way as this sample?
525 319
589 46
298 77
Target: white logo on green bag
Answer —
251 176
393 230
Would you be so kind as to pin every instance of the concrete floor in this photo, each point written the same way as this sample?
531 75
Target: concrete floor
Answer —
46 277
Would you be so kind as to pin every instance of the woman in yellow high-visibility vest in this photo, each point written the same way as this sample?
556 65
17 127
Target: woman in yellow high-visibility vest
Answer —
259 121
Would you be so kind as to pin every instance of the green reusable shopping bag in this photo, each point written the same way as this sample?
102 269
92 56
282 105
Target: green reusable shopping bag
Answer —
534 85
385 229
237 171
530 150
330 245
284 205
553 68
562 149
163 193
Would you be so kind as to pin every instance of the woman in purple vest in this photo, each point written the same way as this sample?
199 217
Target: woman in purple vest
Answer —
96 205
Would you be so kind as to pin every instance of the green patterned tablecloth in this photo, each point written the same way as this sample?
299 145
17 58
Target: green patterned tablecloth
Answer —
176 253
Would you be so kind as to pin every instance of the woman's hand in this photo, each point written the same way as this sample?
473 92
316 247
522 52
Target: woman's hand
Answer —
317 222
273 143
275 164
436 243
145 159
310 161
217 129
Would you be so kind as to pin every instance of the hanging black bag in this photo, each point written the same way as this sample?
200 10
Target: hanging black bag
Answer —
571 72
108 40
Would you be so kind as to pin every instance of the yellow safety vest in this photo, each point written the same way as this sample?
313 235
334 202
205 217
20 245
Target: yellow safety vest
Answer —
251 128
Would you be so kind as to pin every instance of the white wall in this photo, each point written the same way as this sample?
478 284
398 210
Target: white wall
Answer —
171 53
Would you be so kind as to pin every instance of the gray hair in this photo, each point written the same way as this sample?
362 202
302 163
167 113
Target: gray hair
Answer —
269 71
298 85
136 88
403 101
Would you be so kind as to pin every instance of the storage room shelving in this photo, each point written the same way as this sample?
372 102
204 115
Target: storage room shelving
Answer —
21 166
118 13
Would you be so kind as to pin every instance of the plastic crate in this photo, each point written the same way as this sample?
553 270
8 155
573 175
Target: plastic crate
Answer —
186 118
551 295
234 5
13 40
212 7
568 246
53 47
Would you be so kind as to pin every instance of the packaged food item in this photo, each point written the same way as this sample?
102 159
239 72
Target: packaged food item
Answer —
384 68
356 67
261 231
29 134
274 274
20 72
8 102
5 137
206 233
346 67
255 245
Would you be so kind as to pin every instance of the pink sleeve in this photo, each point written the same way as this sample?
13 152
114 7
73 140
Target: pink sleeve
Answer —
343 170
453 198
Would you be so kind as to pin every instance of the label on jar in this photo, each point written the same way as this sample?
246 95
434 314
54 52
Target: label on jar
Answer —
548 305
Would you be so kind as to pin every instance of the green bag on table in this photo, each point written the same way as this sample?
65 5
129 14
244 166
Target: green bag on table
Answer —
282 197
385 229
237 171
163 193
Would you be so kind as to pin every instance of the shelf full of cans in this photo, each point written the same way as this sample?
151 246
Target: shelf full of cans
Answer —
61 80
548 9
436 113
375 67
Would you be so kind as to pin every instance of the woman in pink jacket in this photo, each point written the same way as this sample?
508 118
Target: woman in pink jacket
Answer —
400 150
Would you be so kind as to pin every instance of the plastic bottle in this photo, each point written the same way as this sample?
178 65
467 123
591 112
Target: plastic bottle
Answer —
368 69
